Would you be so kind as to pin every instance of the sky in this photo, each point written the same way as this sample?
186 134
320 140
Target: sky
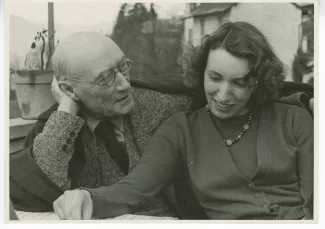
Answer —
69 17
86 13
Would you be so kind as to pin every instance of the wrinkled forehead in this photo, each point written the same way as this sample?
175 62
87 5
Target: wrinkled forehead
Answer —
89 53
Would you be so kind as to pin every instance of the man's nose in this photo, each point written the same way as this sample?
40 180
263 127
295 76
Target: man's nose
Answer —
122 82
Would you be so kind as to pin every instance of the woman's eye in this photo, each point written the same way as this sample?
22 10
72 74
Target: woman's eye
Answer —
241 84
214 77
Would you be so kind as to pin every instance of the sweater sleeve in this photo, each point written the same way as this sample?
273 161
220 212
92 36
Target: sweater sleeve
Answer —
304 135
156 168
54 146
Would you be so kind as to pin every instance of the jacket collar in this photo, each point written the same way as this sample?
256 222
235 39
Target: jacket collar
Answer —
46 114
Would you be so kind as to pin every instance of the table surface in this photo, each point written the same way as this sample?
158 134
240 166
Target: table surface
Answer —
27 216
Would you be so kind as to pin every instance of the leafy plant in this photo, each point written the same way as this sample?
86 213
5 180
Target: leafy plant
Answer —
41 37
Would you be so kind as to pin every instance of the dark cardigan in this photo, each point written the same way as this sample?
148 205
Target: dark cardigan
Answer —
188 139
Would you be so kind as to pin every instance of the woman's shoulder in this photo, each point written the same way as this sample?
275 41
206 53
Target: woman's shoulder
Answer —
291 111
290 108
185 118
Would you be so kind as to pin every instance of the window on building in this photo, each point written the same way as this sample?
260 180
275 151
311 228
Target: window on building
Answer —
202 26
192 6
190 36
304 44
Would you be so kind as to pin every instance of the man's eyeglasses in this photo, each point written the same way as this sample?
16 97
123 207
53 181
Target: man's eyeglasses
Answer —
107 77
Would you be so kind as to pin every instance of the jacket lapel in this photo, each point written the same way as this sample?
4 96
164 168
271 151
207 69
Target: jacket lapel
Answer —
130 143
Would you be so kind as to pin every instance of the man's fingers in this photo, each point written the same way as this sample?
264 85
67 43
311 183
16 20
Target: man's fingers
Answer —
57 206
71 205
54 83
87 207
76 212
74 205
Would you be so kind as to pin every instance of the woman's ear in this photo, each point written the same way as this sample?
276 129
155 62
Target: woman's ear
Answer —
68 90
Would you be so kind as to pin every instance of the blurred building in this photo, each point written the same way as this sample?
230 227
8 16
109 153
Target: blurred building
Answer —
307 28
307 41
281 23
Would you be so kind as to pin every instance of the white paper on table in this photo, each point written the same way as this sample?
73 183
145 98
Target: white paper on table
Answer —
24 216
36 216
142 217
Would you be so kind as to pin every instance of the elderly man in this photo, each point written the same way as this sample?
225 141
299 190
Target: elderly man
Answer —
88 139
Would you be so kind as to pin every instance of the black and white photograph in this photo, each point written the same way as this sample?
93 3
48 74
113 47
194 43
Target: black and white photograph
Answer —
161 111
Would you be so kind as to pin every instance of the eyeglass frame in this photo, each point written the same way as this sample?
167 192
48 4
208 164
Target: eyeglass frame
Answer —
114 70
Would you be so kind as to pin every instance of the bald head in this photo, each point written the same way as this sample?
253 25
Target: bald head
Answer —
84 53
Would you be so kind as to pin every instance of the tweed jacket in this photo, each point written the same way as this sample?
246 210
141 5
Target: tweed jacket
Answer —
58 139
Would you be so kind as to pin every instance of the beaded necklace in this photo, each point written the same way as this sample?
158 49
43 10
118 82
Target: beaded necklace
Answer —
246 127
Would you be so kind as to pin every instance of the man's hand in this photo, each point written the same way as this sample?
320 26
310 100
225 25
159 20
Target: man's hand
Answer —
67 104
74 205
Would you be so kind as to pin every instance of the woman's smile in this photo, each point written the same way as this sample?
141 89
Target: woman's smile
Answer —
222 106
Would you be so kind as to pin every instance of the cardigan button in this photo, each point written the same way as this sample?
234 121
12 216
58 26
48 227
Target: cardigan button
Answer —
257 195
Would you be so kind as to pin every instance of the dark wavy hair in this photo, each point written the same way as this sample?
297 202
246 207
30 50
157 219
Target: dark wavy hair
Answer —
242 40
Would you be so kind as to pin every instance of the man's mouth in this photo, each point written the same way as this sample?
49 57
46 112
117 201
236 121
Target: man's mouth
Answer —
123 98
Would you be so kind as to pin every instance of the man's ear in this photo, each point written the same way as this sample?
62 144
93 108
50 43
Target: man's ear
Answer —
68 90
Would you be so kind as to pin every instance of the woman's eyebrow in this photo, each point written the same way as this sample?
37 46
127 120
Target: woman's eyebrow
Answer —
237 79
214 72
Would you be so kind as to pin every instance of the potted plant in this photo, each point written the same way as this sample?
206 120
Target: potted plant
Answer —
33 84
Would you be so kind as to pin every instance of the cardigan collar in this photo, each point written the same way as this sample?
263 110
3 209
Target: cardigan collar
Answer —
213 141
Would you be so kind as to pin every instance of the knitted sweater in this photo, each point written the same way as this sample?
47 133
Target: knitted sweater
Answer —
281 188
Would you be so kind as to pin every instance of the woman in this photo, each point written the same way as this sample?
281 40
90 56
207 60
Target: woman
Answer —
243 156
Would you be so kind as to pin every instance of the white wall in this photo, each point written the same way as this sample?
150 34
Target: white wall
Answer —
278 21
197 31
211 23
188 24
